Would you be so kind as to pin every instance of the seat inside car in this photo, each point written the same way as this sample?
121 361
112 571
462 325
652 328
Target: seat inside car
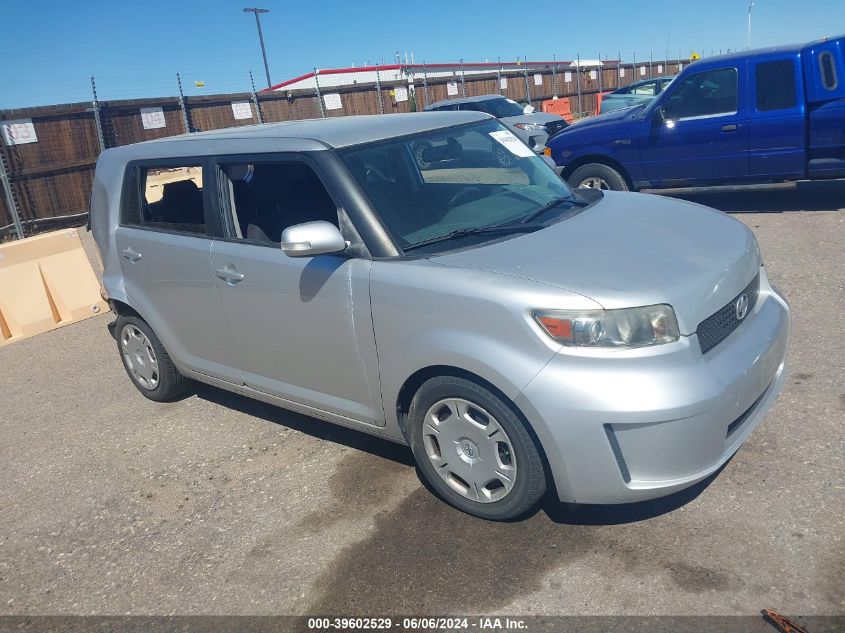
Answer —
284 195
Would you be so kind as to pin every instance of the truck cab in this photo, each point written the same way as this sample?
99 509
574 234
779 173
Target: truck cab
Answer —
756 116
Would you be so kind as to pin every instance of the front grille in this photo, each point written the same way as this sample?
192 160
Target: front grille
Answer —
553 127
716 328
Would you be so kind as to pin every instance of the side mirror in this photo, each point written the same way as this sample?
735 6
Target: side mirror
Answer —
549 161
659 116
528 109
312 238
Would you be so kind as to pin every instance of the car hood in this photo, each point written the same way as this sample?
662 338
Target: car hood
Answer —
608 121
630 250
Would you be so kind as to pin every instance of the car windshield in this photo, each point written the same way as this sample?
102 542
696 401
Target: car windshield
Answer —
447 183
500 108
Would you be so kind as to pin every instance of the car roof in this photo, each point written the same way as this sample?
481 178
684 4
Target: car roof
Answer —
474 99
304 135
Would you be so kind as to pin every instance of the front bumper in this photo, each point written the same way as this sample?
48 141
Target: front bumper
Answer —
623 426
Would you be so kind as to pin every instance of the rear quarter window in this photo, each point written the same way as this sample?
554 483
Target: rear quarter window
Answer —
775 85
827 65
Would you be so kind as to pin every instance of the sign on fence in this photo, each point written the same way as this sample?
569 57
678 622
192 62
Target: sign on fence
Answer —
538 79
593 75
452 88
503 83
400 94
19 132
660 68
567 77
642 71
241 110
152 118
621 72
332 101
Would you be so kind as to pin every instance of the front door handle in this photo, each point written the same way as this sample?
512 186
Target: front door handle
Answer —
131 254
229 274
729 128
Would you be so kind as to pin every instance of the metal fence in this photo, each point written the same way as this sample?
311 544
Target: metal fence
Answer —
49 152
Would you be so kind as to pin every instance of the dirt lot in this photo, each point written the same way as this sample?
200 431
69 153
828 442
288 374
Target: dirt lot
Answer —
111 504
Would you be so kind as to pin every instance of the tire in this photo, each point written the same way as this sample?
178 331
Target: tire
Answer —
502 157
599 176
146 362
462 453
419 149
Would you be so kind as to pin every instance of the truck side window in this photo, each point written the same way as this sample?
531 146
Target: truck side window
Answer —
775 83
828 68
170 199
266 198
704 94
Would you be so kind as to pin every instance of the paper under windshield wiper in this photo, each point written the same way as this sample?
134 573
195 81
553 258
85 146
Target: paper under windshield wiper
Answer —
571 201
479 230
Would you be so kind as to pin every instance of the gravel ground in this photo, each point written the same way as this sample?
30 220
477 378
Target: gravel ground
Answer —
111 504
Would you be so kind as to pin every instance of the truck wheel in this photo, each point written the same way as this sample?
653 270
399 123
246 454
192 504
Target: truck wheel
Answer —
597 176
473 449
147 363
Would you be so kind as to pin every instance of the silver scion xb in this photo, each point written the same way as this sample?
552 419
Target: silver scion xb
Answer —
519 336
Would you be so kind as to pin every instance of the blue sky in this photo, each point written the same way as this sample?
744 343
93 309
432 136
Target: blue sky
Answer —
50 48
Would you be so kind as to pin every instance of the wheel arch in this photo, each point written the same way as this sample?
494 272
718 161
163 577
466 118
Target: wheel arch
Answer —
601 159
415 381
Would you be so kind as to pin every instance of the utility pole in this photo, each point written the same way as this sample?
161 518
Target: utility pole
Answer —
748 36
257 11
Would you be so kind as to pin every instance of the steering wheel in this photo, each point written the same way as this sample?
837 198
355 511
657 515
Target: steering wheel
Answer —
464 195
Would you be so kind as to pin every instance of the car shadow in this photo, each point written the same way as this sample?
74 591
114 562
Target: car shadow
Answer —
558 512
818 195
319 429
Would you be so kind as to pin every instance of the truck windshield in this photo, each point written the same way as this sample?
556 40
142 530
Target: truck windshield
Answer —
451 181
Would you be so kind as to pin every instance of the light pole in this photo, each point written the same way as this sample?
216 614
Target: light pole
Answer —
261 40
748 35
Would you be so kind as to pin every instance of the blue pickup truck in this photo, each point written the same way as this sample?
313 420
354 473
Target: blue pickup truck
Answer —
757 116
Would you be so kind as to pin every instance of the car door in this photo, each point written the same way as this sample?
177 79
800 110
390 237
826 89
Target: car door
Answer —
301 327
164 242
778 134
703 135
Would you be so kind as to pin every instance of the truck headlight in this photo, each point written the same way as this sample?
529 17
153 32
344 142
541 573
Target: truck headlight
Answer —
629 327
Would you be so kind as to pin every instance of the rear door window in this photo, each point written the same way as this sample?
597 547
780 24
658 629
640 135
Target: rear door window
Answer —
167 198
775 85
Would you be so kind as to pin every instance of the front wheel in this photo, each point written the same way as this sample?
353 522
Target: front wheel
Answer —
597 176
473 449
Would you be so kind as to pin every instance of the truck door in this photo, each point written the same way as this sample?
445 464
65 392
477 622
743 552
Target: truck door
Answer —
703 134
778 119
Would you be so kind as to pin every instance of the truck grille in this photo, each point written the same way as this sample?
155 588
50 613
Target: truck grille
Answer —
553 127
716 328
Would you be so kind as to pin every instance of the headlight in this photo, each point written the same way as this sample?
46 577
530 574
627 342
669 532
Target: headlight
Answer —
530 127
630 327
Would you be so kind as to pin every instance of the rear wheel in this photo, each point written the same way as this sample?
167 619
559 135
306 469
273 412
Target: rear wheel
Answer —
597 176
473 449
147 363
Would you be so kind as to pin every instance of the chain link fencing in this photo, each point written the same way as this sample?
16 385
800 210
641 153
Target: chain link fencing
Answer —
48 153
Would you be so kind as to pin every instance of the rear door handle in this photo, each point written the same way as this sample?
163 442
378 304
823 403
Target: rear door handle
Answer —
131 254
730 127
229 274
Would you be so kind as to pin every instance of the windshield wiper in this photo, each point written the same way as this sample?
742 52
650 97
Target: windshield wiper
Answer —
570 201
479 230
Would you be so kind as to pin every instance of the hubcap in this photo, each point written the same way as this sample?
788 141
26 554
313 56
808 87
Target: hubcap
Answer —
594 183
139 356
470 450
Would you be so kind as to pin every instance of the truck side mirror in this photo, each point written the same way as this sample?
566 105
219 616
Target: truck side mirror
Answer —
659 116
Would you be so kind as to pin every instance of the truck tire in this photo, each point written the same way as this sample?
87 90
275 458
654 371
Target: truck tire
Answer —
597 176
473 450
